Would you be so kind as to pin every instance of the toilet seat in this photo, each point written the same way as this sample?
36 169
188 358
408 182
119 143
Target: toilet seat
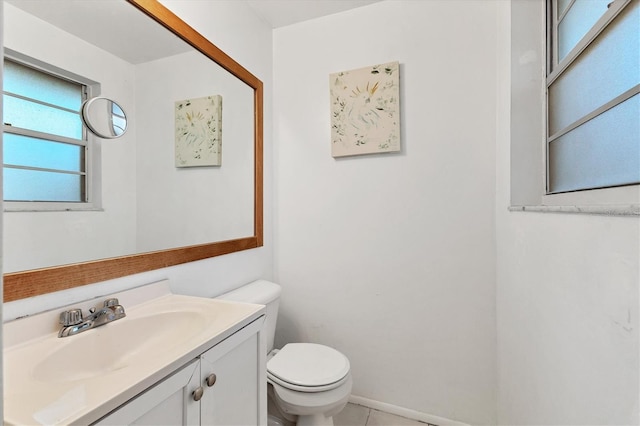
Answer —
308 367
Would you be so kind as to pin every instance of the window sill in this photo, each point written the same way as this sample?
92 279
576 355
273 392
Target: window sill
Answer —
629 210
48 207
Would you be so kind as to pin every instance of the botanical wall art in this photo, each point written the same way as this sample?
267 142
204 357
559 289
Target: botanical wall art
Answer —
365 110
199 132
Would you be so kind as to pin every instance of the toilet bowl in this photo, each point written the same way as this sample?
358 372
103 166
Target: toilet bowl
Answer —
309 383
310 409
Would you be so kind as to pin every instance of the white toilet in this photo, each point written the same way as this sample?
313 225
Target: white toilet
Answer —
309 383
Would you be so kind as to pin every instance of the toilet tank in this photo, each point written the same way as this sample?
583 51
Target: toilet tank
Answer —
261 292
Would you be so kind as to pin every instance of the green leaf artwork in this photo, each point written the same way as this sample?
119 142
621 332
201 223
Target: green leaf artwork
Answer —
199 132
365 110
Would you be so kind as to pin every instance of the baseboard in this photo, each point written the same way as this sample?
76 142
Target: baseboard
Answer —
403 412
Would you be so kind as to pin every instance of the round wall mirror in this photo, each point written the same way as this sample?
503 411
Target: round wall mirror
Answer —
104 118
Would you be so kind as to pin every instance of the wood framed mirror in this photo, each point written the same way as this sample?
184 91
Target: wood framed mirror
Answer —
24 284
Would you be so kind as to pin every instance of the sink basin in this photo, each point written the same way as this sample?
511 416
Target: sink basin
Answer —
80 378
112 347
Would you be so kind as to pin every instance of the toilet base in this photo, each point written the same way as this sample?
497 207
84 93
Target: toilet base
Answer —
275 413
314 420
274 421
290 419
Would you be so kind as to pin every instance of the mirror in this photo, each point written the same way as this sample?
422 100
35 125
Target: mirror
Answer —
151 242
104 118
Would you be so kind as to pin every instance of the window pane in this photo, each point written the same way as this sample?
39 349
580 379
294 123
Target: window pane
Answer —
34 185
34 84
41 118
582 15
606 69
602 152
31 152
562 5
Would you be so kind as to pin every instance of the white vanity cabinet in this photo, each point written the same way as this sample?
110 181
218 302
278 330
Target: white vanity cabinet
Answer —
225 385
232 385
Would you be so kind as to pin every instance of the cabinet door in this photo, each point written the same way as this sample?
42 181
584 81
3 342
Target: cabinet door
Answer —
235 397
167 403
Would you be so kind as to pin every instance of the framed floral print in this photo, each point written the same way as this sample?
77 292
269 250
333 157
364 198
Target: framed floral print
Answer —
199 132
365 110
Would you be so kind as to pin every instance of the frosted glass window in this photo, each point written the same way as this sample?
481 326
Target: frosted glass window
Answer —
38 185
607 68
44 150
41 118
562 6
34 84
593 98
38 153
580 18
602 152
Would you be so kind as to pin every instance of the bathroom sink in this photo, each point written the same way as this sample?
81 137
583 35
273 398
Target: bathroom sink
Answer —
79 378
117 345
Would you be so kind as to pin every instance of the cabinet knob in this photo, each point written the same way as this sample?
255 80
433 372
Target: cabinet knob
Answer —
197 394
211 379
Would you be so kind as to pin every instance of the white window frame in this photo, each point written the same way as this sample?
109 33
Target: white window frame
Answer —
92 151
528 127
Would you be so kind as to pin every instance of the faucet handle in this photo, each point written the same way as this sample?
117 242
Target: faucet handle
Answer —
71 317
111 302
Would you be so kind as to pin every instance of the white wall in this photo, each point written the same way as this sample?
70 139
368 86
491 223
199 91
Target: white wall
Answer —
567 319
567 303
391 258
235 29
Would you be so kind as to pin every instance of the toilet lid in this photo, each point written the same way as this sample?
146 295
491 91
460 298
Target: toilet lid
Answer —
308 365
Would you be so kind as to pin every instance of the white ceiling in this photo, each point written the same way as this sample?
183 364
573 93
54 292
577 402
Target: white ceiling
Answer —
120 29
279 13
114 26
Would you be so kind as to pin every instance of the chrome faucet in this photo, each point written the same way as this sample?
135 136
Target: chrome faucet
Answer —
73 323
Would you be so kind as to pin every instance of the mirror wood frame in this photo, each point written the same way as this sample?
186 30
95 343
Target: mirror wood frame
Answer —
24 284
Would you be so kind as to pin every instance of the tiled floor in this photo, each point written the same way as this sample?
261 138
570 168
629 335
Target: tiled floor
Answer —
357 415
